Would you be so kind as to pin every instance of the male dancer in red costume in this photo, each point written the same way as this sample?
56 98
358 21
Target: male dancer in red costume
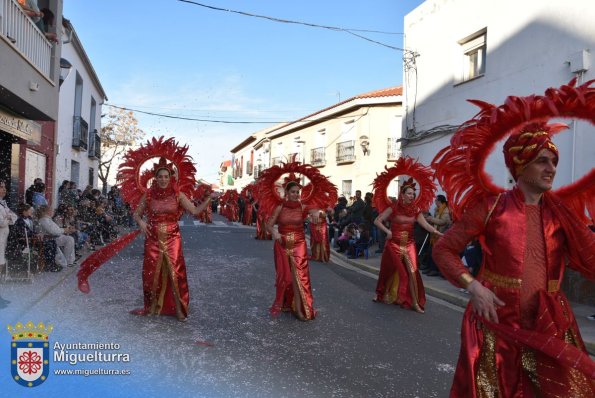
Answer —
519 336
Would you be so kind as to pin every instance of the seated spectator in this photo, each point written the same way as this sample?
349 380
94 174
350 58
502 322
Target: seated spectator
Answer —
362 239
349 234
105 224
30 190
39 195
50 230
20 237
69 218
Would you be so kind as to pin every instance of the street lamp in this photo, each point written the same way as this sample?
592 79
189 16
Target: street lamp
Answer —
65 68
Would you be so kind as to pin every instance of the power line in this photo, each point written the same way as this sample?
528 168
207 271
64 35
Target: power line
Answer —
188 118
312 25
222 121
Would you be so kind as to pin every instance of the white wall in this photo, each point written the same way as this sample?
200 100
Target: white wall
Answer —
529 44
66 153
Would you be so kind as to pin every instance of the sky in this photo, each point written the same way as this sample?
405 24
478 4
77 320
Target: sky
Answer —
176 58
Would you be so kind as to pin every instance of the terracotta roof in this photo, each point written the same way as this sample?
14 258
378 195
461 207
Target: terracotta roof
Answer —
385 92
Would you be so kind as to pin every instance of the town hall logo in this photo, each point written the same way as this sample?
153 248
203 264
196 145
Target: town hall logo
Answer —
29 353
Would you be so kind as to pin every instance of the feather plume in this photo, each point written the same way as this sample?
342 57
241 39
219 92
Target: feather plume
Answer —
460 166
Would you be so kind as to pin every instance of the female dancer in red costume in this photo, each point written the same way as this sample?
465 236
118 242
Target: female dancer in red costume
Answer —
165 286
247 196
399 281
164 271
201 194
320 248
293 287
519 337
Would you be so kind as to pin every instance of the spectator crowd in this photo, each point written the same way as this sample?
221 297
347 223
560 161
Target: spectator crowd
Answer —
48 238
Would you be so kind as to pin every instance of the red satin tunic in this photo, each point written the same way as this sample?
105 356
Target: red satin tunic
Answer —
536 348
399 280
291 264
165 285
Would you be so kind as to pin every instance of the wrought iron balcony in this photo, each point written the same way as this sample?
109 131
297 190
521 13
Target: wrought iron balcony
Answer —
393 151
80 133
317 157
94 145
346 152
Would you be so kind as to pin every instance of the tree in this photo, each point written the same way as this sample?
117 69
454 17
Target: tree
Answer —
120 133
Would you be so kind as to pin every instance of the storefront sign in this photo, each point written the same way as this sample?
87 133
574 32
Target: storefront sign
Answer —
23 128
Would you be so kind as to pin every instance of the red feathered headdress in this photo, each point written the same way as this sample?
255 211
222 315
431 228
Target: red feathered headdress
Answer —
460 166
405 166
248 189
322 195
133 182
202 192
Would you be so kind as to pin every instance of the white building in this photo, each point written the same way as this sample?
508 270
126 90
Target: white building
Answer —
488 50
79 122
350 142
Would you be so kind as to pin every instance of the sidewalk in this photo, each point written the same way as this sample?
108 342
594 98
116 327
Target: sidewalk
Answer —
440 288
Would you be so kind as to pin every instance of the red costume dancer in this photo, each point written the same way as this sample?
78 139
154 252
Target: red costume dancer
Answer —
399 281
246 195
292 282
201 194
519 336
261 228
164 272
320 248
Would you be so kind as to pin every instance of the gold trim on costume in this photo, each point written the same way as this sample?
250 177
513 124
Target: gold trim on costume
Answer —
465 280
529 365
553 286
409 267
501 280
486 379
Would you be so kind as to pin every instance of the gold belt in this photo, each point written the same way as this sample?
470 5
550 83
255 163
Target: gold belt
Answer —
508 282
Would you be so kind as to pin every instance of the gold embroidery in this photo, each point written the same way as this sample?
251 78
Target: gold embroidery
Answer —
410 270
578 384
486 379
552 286
529 364
501 280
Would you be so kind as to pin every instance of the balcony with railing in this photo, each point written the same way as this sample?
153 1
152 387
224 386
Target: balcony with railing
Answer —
317 157
94 145
80 133
20 31
257 170
295 157
393 149
346 152
276 160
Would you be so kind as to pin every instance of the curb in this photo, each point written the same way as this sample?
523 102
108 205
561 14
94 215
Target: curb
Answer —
452 297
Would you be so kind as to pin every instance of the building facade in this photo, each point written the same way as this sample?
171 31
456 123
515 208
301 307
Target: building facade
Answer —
350 142
29 84
464 49
78 144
